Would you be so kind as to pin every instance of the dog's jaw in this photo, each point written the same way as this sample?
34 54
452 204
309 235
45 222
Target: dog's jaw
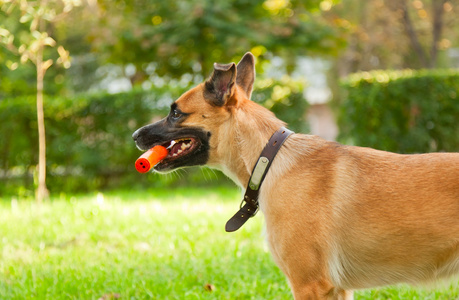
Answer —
191 146
185 152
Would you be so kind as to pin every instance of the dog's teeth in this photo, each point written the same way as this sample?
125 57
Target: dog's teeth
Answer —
184 146
180 151
175 154
171 144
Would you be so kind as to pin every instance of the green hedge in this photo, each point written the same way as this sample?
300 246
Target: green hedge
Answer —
88 139
401 111
89 144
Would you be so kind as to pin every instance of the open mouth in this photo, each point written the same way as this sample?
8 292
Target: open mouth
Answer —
180 147
180 152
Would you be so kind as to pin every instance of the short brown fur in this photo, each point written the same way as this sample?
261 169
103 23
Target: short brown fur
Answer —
338 218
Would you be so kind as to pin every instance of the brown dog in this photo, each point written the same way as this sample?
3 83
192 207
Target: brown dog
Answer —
338 218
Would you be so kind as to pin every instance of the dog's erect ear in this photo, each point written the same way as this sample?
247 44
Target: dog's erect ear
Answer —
246 73
220 86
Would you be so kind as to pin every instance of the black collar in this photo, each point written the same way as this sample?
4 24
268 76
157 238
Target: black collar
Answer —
250 208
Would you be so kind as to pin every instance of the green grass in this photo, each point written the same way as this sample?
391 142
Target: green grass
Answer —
144 245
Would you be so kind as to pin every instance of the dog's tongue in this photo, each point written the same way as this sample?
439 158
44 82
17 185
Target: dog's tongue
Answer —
174 150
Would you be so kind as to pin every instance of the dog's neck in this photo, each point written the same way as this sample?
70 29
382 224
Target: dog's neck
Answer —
249 130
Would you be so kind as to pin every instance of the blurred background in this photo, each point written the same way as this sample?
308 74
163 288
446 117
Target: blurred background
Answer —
378 73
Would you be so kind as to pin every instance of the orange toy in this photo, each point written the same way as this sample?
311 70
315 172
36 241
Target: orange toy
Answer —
150 158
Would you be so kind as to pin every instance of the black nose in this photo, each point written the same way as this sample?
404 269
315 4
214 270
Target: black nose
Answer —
135 135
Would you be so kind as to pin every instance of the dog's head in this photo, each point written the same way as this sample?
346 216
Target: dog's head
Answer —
199 117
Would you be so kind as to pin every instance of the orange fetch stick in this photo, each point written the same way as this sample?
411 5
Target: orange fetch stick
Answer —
150 158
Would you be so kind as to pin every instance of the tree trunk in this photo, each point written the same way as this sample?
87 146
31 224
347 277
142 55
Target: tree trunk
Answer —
412 35
437 28
42 192
426 60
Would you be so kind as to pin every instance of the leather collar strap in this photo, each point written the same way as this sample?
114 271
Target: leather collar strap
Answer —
250 208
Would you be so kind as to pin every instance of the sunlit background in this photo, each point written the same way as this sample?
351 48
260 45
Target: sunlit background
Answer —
378 73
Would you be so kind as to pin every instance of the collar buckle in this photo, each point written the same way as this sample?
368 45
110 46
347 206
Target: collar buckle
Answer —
254 205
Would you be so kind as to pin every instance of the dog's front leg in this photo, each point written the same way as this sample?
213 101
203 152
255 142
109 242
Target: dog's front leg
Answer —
303 259
304 265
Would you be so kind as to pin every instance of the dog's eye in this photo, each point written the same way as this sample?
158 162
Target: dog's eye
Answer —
176 114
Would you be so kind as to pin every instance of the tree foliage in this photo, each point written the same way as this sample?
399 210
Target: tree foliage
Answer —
179 37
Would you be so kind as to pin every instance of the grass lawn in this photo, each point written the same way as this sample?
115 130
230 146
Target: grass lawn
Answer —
145 245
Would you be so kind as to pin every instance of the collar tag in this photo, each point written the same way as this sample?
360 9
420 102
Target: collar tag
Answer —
258 173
